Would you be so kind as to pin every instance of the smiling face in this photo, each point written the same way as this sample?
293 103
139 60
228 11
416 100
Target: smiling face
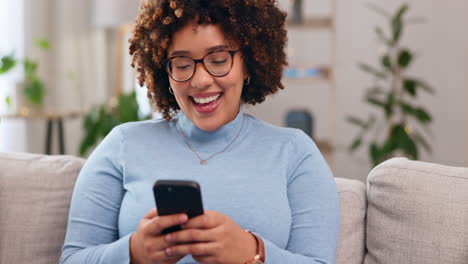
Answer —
208 101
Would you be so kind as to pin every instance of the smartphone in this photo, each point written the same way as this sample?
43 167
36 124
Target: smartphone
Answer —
177 196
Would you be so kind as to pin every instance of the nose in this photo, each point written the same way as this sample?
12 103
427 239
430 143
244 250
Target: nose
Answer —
201 79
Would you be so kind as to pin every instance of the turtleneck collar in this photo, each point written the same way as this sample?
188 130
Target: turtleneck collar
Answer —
201 139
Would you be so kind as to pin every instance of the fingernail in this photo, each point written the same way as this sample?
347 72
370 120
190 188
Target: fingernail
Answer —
168 251
183 218
168 237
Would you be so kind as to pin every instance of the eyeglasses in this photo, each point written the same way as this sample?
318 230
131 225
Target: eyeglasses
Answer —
217 63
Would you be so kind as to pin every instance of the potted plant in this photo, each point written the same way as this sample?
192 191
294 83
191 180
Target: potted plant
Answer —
32 88
394 93
103 118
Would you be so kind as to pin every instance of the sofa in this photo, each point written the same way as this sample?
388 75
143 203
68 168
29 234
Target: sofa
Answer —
408 211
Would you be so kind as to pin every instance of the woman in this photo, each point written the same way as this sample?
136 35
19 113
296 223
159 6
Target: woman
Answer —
201 60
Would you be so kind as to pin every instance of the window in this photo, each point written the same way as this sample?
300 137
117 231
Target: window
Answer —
11 42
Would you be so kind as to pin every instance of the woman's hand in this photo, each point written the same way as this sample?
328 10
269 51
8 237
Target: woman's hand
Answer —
212 238
147 245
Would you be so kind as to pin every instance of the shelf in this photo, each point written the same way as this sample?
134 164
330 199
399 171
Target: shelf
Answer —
323 23
26 113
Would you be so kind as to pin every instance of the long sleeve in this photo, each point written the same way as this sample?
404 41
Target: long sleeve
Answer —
314 206
92 231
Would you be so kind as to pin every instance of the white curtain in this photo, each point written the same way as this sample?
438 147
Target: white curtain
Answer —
80 56
11 42
76 70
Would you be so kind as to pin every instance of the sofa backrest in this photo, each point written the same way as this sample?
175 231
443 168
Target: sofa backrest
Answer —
417 213
35 192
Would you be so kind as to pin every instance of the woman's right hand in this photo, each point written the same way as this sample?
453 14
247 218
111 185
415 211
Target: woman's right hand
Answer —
147 245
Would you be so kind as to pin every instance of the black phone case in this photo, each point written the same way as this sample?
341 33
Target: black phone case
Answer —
177 196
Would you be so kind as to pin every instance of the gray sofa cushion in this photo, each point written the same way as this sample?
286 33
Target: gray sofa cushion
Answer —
35 192
352 195
417 213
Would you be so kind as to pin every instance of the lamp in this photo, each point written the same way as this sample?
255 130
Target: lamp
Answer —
116 15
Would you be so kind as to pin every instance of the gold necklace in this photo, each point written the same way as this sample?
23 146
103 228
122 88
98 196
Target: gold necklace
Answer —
204 161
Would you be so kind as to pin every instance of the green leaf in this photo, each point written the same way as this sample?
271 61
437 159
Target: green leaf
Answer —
397 23
376 102
374 153
405 142
91 131
423 85
421 140
356 144
389 146
8 101
387 62
356 121
374 91
410 86
128 108
422 115
419 113
369 69
42 44
101 120
98 123
381 35
370 122
404 58
401 11
406 108
34 91
7 63
30 69
398 139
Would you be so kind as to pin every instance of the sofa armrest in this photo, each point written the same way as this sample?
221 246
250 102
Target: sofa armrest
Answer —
417 213
351 246
35 193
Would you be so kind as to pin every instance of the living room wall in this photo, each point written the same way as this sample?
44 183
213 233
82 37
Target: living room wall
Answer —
441 47
442 60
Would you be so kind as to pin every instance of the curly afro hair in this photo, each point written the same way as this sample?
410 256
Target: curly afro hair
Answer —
257 26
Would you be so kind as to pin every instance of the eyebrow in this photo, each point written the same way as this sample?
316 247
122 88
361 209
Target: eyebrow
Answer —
186 52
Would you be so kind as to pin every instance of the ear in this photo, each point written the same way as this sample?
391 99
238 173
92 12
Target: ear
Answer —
245 72
246 77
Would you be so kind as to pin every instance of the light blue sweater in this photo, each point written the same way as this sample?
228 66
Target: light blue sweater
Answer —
272 181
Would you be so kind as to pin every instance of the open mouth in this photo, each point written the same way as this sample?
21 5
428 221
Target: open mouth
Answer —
206 100
206 104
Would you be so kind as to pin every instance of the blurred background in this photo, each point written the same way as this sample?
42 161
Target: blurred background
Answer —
367 80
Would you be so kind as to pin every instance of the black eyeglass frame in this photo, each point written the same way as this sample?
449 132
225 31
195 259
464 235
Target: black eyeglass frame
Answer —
165 63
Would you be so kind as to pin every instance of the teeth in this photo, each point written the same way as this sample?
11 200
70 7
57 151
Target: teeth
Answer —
206 99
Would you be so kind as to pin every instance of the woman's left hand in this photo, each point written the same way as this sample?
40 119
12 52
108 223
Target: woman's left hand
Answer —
213 238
